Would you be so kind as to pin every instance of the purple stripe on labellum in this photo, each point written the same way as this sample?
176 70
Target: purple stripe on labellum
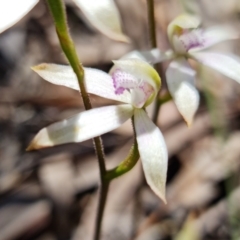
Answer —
192 39
120 90
123 81
139 89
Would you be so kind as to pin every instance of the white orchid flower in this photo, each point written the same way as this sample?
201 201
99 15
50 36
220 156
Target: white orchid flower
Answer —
134 83
102 14
11 11
188 42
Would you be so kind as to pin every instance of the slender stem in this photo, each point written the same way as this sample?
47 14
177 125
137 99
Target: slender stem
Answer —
153 42
128 163
58 11
159 102
151 24
101 206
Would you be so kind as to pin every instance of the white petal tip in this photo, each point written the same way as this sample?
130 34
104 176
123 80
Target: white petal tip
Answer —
42 66
160 193
189 122
123 38
41 140
163 198
30 147
33 146
120 38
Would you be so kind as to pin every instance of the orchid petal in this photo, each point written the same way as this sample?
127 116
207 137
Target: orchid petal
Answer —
11 11
153 56
82 126
104 16
153 152
226 64
180 80
96 81
180 23
214 35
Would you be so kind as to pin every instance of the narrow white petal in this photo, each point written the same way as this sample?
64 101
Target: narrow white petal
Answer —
153 152
11 11
96 81
180 80
104 16
83 126
214 35
225 64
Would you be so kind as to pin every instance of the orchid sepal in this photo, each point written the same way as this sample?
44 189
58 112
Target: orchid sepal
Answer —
153 152
181 84
104 16
226 64
11 11
82 126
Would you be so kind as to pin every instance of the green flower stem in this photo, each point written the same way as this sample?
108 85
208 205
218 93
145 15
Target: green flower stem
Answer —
128 163
153 42
57 9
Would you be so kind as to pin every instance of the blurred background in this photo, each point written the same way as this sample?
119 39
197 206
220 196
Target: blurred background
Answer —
52 194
